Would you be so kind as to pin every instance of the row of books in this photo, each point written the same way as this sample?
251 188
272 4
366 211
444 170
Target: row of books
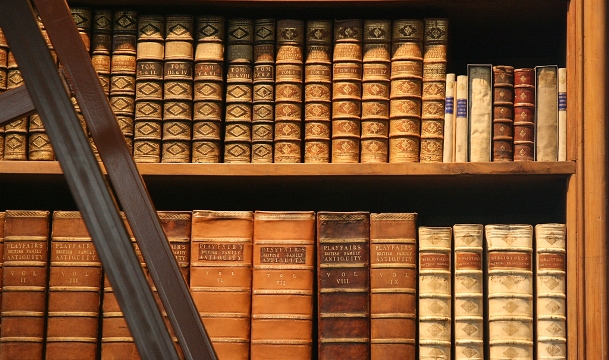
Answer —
278 284
206 89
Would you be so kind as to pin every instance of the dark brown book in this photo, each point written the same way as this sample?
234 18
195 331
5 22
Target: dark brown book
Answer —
24 291
282 286
343 285
393 284
3 75
75 281
524 114
15 132
503 113
2 216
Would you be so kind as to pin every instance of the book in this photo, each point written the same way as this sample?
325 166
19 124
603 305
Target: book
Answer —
283 285
406 91
468 294
546 113
75 281
562 114
503 113
15 132
550 297
2 217
376 81
3 77
221 278
524 114
346 91
480 107
461 125
101 46
288 91
318 91
393 284
510 290
24 284
448 148
343 285
435 292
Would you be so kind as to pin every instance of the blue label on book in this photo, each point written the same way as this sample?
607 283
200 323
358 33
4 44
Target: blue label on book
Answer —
449 105
562 101
461 107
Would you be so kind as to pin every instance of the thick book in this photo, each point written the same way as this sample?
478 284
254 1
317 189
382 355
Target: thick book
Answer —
562 114
448 148
461 124
510 290
101 45
503 113
546 113
75 281
435 292
283 285
468 294
25 285
221 278
15 131
524 114
343 285
480 108
551 297
393 284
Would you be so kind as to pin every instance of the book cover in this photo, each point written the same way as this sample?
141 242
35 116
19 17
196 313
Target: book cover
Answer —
448 148
562 114
480 108
503 113
461 124
2 216
101 46
524 114
546 113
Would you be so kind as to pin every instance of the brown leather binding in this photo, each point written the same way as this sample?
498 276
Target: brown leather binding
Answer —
503 113
524 114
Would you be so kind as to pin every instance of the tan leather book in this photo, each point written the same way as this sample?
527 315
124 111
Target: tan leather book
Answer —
479 112
524 114
101 45
2 216
550 298
24 290
546 113
15 132
221 278
75 281
282 286
510 290
343 285
393 284
503 113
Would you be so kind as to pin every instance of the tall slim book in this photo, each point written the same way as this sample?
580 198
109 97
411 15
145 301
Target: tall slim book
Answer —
562 114
480 108
283 285
3 75
461 125
15 132
101 46
343 285
2 216
524 114
448 149
546 113
503 113
393 284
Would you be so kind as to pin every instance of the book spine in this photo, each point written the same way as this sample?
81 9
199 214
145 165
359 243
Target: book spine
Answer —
318 91
406 91
551 313
376 81
282 286
346 91
546 113
479 112
562 114
177 89
461 125
435 292
75 281
263 107
524 114
149 89
510 290
288 91
208 90
468 296
101 45
503 113
434 90
343 287
15 132
393 283
448 147
25 286
3 77
239 86
221 278
2 217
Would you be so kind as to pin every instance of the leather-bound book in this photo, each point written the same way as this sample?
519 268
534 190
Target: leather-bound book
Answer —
15 132
503 113
221 278
343 285
177 89
318 91
480 108
468 294
24 290
347 91
288 91
283 285
149 89
434 89
461 124
510 291
101 46
2 216
546 113
435 292
406 91
550 298
376 83
448 148
393 284
524 114
562 114
3 76
75 281
208 90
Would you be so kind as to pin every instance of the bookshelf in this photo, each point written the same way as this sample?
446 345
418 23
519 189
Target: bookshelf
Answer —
517 32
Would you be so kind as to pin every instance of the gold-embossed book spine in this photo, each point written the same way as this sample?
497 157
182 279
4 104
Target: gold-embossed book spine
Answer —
283 285
75 281
15 132
480 108
503 113
3 77
25 285
435 292
510 290
393 284
546 113
343 285
550 298
221 278
524 114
